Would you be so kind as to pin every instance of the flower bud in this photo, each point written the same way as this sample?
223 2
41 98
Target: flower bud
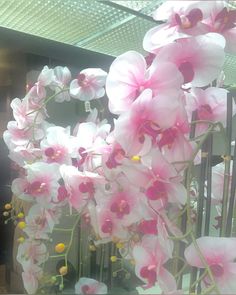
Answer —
60 247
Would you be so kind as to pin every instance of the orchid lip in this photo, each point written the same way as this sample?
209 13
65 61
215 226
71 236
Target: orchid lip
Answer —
217 270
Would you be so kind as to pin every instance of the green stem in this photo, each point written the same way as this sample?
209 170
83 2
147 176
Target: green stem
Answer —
181 271
199 279
198 250
62 229
47 100
71 238
225 196
181 237
101 262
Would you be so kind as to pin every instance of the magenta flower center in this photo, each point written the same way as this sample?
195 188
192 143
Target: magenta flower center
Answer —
115 158
149 273
83 155
121 208
217 270
53 154
168 137
157 191
204 112
225 20
36 188
148 128
189 21
87 187
186 69
62 193
148 227
82 80
85 289
107 226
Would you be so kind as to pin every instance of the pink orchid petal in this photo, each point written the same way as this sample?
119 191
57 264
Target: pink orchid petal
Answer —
166 281
215 250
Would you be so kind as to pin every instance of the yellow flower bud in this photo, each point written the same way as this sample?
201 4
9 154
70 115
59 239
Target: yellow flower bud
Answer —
92 248
119 245
8 206
20 239
20 215
21 224
63 270
113 258
59 248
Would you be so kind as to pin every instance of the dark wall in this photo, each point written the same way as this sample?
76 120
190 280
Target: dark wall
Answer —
56 51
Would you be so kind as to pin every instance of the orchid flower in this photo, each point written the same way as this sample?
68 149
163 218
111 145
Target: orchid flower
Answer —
129 76
31 275
40 184
184 19
210 105
57 145
90 286
219 254
149 259
80 186
89 84
61 79
222 20
199 59
137 129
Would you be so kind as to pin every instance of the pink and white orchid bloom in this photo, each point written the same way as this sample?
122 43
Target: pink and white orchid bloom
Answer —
210 105
91 136
25 155
45 78
90 286
149 259
108 225
80 186
32 251
186 11
174 142
61 79
199 59
31 275
160 181
184 19
38 223
222 20
14 136
89 84
40 184
218 173
127 205
165 184
24 113
37 91
57 145
220 256
137 129
129 76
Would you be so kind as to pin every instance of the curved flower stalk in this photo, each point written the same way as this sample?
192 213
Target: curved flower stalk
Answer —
129 185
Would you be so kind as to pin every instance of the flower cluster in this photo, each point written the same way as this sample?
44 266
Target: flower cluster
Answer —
127 176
